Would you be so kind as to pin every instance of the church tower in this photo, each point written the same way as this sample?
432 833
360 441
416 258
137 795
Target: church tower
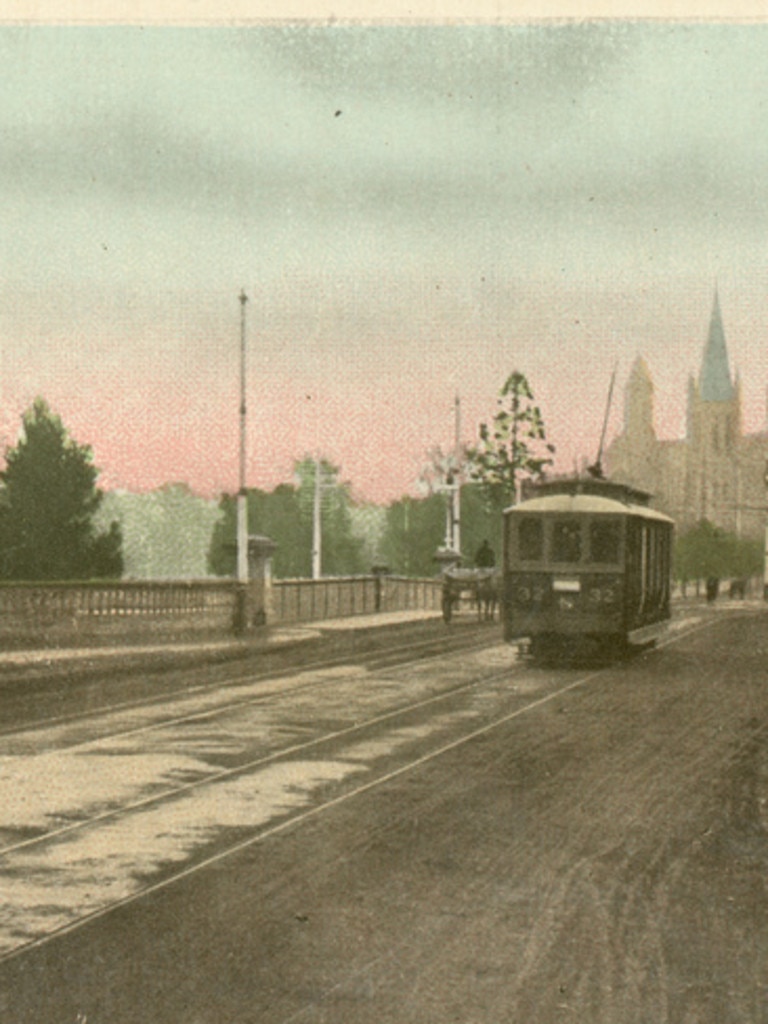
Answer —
716 472
638 406
714 433
632 456
715 376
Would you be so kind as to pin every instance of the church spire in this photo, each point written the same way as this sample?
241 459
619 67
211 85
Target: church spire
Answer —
715 383
638 407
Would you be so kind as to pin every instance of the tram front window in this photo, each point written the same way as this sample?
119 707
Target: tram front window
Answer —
566 541
604 540
531 539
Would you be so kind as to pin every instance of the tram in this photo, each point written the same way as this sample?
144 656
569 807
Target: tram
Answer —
586 567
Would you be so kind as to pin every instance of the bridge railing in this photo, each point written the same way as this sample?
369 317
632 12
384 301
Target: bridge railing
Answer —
332 597
67 614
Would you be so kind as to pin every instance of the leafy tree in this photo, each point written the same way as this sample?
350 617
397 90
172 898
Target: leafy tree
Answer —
748 558
513 446
701 552
442 468
480 520
705 550
368 521
342 549
413 531
285 515
48 507
166 532
276 515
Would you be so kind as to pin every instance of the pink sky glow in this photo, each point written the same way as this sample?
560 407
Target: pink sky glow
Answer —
171 413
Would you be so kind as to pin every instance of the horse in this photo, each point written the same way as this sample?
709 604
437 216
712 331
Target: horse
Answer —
487 594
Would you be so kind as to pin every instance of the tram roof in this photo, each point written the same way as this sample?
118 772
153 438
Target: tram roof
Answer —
597 497
598 486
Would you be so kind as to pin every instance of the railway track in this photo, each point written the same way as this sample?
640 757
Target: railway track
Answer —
159 686
100 811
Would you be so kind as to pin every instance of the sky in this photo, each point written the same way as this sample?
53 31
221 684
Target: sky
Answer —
414 210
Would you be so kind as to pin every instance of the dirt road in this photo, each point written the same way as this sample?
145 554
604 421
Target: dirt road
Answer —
601 858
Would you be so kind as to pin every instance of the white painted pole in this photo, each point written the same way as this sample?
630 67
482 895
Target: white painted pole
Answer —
242 511
317 529
448 517
457 493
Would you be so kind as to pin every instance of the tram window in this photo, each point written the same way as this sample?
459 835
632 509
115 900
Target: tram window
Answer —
531 539
566 541
604 542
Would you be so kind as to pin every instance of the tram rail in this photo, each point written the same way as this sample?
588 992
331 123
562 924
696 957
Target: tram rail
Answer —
485 698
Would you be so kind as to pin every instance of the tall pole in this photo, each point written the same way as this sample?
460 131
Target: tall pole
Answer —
449 510
317 530
242 514
457 493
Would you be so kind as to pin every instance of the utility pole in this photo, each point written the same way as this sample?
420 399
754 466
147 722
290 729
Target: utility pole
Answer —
452 486
317 529
456 514
321 484
242 512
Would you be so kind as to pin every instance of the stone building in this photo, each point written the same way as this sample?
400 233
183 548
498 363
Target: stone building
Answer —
716 472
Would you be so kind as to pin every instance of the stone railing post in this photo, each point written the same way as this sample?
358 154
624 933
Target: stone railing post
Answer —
258 602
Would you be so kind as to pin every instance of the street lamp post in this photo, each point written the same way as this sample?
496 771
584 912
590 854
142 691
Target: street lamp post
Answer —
242 512
317 528
321 483
456 503
450 487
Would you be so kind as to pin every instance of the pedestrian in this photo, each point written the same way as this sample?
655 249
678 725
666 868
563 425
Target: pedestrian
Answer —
485 558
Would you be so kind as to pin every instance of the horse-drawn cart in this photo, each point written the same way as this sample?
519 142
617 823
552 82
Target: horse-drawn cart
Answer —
479 586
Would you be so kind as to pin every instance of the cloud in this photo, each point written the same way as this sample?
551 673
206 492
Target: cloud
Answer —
449 139
401 203
487 64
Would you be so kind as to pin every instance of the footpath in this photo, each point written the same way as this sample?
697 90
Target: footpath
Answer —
279 644
43 662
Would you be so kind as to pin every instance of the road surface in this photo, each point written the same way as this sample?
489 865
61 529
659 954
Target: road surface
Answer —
461 839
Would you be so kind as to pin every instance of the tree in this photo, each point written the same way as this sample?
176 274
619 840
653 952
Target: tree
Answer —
276 515
701 552
285 516
513 446
705 550
166 532
48 507
342 550
480 521
414 529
